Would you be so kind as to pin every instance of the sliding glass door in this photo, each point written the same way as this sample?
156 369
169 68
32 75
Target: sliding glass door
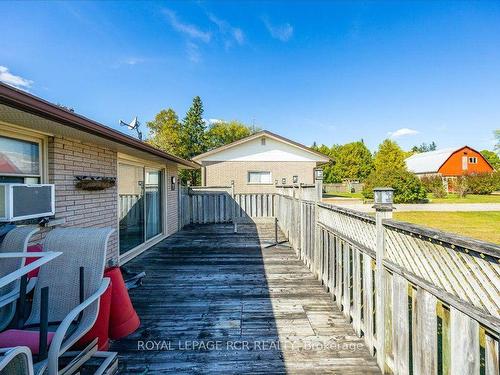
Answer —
153 203
140 205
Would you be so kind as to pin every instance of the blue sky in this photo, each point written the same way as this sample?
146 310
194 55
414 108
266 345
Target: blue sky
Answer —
330 72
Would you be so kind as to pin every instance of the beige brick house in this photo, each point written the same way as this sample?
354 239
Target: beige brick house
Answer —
44 143
259 162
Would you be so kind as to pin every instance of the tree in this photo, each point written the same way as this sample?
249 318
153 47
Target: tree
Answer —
353 161
328 169
389 157
390 171
222 132
492 158
424 147
165 132
407 187
193 130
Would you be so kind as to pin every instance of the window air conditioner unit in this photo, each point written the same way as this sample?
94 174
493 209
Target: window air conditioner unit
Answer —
26 201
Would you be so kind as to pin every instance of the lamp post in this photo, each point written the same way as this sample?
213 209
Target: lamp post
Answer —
384 198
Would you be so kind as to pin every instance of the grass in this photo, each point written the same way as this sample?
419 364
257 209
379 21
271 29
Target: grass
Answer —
343 195
450 198
471 198
479 225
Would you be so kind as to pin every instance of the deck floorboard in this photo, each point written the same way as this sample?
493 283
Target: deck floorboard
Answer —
245 308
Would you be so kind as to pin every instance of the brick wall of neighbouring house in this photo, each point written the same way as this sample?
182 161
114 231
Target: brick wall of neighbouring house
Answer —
68 158
172 200
221 174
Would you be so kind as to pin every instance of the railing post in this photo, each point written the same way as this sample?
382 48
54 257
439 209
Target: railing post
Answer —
318 181
300 226
383 210
233 208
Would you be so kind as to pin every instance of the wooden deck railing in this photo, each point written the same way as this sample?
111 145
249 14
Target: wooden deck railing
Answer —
426 302
222 205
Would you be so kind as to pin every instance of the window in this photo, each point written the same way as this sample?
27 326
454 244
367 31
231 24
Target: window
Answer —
473 160
259 178
20 160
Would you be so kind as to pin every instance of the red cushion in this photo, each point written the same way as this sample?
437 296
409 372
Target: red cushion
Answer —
33 249
18 337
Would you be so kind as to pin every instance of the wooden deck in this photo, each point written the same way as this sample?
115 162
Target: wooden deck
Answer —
214 302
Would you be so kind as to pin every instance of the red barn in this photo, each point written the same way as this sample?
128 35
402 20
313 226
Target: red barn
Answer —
448 163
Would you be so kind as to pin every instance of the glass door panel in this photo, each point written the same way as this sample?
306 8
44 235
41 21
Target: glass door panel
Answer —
153 188
131 206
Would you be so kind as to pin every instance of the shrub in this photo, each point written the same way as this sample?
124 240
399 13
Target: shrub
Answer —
483 183
407 187
461 187
434 185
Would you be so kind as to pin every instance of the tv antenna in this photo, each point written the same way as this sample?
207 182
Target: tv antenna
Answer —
133 125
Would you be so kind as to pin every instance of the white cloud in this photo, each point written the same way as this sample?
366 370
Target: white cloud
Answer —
193 52
192 31
133 61
402 132
13 80
213 120
281 32
225 28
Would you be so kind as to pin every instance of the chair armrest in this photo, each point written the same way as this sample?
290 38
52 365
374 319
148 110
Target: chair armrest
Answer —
8 354
57 340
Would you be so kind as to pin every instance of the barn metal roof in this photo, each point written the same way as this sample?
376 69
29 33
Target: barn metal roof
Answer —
429 162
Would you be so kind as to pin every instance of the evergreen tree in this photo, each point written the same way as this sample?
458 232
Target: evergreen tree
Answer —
193 130
193 139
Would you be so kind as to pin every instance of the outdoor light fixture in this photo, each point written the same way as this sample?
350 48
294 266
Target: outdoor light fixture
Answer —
384 197
173 181
283 181
295 179
318 174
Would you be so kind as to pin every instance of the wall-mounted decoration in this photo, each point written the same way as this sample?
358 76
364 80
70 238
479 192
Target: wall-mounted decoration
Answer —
94 182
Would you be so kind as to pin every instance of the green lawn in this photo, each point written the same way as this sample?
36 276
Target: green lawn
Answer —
481 225
343 195
450 198
471 198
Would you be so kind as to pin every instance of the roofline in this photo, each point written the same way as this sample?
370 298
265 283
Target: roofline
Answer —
461 148
256 135
26 102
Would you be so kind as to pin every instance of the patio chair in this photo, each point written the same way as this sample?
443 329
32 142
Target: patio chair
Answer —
15 240
73 300
16 361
